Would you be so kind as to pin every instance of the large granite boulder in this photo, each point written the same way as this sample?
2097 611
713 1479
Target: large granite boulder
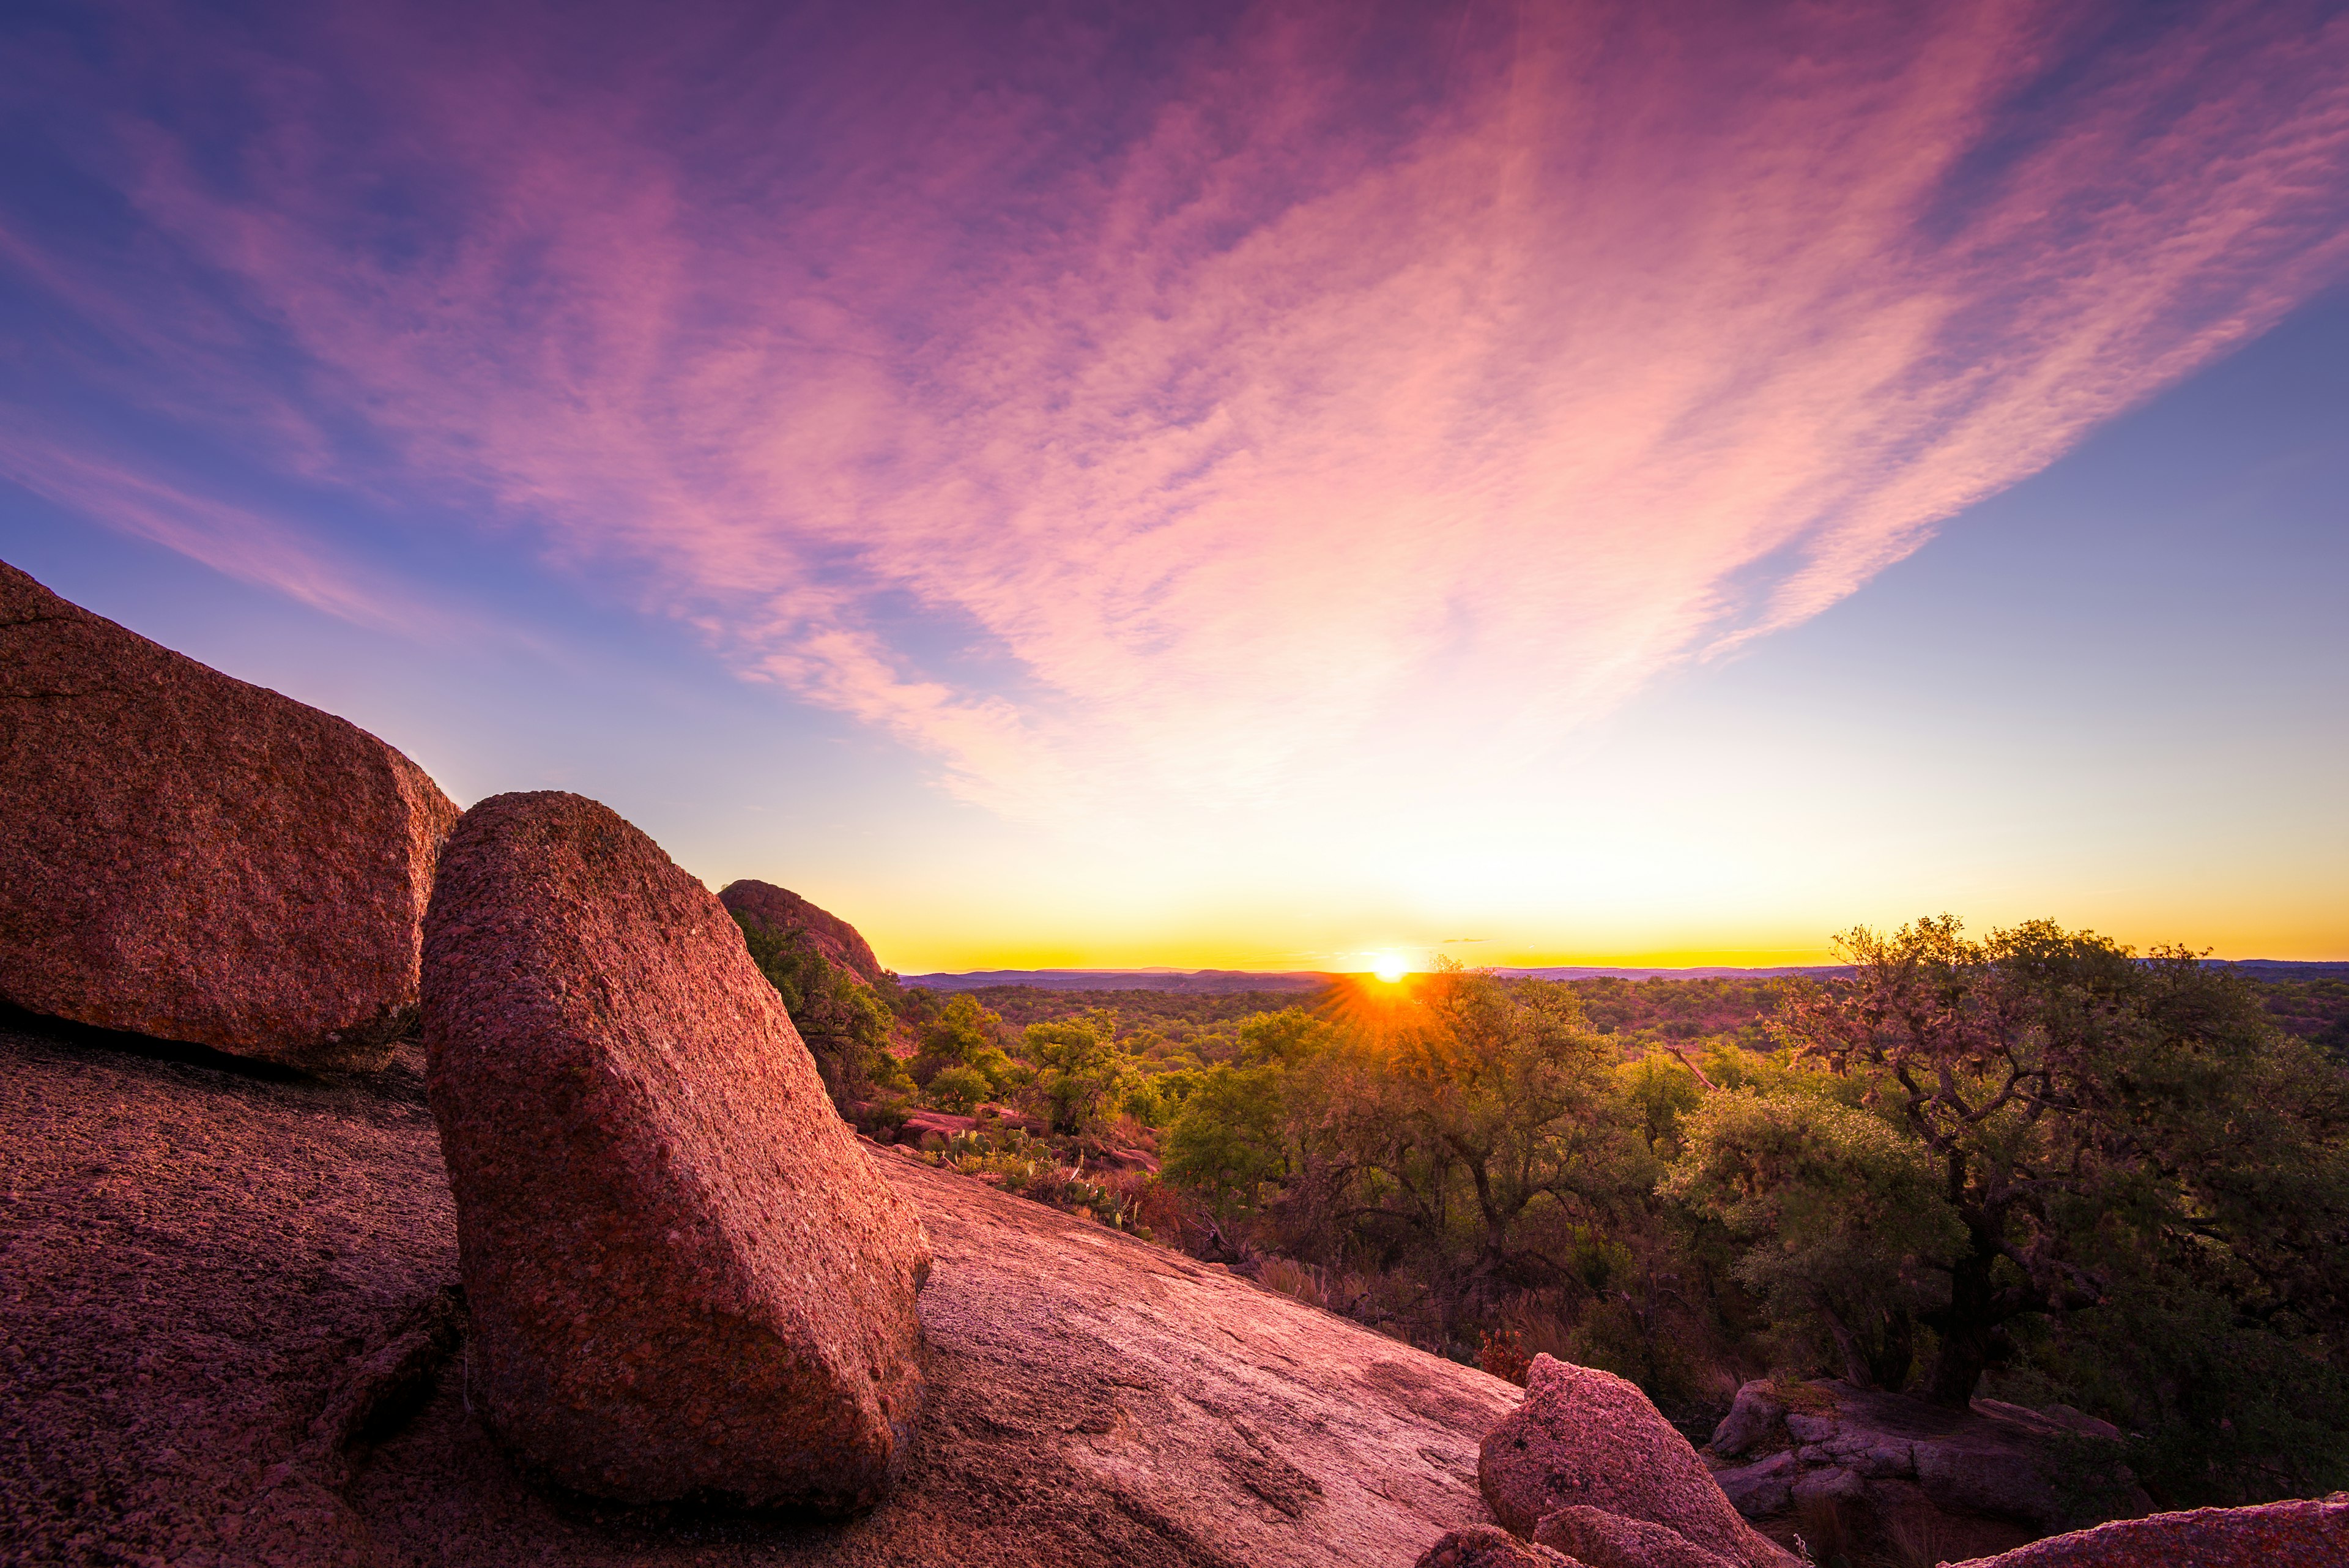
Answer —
781 912
684 1279
2308 1534
195 858
1588 1438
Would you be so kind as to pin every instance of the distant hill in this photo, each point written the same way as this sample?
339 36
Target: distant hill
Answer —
2284 969
1204 981
1217 981
1582 972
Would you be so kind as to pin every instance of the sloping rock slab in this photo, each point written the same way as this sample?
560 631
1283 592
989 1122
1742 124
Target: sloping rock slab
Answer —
1588 1438
686 1279
194 858
2272 1535
198 1263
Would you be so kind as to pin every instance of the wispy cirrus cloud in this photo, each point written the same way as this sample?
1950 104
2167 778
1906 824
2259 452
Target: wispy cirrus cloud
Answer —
1235 410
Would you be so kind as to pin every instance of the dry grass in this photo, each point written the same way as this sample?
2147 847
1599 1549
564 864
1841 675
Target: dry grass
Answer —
1541 1332
1923 1540
1824 1533
1291 1278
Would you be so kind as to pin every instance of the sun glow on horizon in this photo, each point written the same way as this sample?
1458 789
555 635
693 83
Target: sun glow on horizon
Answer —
1388 967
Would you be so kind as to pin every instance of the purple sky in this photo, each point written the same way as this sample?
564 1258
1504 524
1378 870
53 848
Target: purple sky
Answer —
1258 486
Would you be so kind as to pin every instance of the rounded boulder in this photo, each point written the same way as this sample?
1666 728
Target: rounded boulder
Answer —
686 1279
1588 1438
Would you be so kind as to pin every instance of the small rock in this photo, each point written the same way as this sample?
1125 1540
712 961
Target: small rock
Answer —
1833 1485
685 1278
1588 1438
1483 1546
941 1125
1753 1415
2306 1534
1809 1428
1876 1456
1604 1540
1762 1488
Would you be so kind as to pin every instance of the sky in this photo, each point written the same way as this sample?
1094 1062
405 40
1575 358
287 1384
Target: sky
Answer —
1247 486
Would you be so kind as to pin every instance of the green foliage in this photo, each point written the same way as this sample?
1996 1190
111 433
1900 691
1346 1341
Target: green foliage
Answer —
843 1023
1080 1070
2097 1179
2095 1117
1285 1039
1661 1089
1462 1128
1842 1217
1231 1137
958 1089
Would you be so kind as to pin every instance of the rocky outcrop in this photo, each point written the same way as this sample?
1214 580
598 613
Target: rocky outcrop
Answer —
1762 1488
684 1279
1601 1540
1753 1415
1878 1450
781 912
200 1263
2309 1534
1485 1546
1586 1438
194 858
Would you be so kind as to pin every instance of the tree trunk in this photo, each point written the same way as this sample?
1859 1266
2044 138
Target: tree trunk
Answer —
1968 1327
1855 1370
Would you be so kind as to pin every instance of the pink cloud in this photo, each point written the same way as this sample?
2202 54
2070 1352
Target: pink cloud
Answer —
240 542
1266 422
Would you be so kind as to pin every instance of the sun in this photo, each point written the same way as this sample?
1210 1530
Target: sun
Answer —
1388 967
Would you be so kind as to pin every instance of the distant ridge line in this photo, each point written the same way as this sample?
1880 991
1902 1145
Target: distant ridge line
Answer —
1223 981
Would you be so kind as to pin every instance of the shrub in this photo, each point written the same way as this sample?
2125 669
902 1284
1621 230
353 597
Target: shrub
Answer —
960 1089
1504 1356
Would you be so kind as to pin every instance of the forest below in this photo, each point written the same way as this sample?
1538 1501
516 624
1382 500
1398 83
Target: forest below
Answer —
2036 1166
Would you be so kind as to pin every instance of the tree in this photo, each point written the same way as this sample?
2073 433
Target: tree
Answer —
1465 1123
1661 1088
1847 1234
964 1035
1231 1137
958 1089
2091 1117
1080 1069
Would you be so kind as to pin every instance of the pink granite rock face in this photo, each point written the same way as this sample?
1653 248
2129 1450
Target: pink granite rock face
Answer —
2308 1534
686 1279
1483 1546
781 912
195 858
1603 1540
1588 1438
